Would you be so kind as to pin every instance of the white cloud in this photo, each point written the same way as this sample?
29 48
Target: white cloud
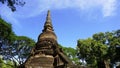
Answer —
36 7
33 8
109 7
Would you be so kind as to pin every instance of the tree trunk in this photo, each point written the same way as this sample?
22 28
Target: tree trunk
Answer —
107 64
100 64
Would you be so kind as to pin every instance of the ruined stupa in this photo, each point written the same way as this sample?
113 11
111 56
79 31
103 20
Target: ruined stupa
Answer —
46 53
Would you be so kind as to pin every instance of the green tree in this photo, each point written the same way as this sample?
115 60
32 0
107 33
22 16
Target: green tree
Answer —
86 51
6 63
12 47
21 49
6 33
114 45
100 50
2 65
9 64
71 53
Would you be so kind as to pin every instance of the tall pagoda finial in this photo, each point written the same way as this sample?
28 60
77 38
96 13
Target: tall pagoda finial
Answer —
48 31
48 18
48 23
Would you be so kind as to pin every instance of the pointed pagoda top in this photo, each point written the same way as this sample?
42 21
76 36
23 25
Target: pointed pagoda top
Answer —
48 22
48 18
48 31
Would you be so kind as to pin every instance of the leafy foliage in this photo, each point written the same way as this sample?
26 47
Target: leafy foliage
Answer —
71 53
7 64
12 3
12 47
101 48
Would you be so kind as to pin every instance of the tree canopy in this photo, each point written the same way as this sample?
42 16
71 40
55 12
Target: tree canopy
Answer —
12 3
12 47
71 53
101 50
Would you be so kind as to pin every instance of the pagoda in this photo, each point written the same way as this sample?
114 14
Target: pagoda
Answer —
47 53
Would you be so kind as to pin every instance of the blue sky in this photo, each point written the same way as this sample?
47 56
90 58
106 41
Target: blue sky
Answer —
72 19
